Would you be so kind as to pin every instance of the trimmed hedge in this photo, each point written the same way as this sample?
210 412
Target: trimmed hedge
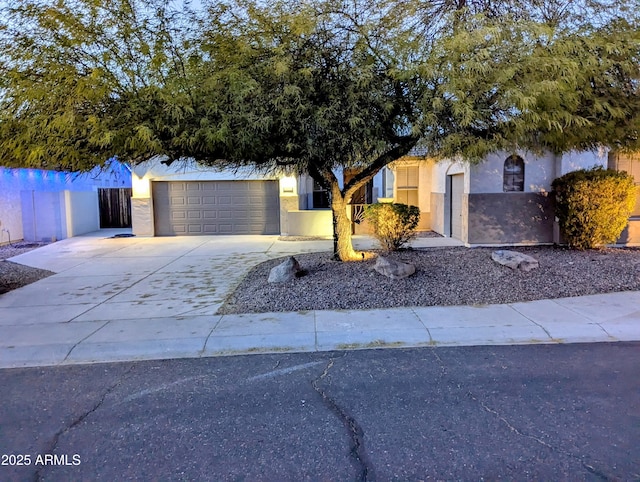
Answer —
393 224
593 206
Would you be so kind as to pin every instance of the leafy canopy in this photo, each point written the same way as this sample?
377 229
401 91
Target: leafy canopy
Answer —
80 79
313 85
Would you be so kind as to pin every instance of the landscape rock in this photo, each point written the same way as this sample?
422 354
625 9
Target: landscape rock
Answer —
394 269
285 271
515 260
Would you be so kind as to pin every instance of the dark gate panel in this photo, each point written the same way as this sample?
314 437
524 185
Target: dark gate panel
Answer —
115 207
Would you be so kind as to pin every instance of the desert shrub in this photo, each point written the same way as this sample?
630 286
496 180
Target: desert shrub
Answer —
593 206
393 224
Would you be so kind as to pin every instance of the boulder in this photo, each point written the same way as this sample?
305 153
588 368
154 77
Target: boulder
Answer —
393 269
515 260
286 271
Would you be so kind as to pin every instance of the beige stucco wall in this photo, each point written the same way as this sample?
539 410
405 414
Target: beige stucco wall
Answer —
312 222
574 160
82 212
539 172
10 216
437 213
491 216
631 234
447 167
439 208
142 223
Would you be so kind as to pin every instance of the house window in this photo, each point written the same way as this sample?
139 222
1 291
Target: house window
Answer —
320 196
407 185
513 175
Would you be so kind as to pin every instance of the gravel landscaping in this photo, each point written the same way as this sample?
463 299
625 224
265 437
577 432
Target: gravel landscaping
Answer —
14 275
444 276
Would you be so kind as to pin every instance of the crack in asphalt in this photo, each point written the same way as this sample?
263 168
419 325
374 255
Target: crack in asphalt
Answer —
588 467
443 367
506 422
37 477
357 451
515 430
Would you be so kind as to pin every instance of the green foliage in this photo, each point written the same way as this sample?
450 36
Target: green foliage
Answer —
314 85
593 206
393 224
82 81
507 84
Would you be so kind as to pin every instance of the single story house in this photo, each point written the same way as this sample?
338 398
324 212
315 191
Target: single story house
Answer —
41 205
502 201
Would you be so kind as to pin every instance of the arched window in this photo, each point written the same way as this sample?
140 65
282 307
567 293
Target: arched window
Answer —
513 177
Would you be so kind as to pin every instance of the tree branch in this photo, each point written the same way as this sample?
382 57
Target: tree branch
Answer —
402 149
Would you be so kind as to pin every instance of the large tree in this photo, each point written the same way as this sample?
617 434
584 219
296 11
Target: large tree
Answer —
316 86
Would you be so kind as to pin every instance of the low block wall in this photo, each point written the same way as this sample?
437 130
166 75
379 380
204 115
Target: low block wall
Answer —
316 222
10 216
510 218
82 212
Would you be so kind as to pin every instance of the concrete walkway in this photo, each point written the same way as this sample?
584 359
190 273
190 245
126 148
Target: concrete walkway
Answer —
117 299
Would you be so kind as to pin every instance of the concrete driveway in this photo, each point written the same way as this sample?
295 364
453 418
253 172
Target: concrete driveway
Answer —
99 276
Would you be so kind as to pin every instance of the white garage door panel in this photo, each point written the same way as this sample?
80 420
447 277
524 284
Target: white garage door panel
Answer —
216 207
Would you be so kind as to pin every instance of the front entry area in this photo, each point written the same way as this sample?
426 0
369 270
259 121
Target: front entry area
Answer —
453 222
457 190
191 208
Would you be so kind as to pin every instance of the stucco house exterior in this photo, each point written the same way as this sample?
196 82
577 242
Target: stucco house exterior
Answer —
41 205
505 200
502 201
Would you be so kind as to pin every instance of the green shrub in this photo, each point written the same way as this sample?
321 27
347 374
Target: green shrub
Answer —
393 224
593 206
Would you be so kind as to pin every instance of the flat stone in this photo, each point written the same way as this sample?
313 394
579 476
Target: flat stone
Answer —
393 269
515 260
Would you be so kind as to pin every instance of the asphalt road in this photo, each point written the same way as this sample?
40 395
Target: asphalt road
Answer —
561 412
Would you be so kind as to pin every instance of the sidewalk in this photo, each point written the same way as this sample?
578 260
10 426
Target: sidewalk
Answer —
155 298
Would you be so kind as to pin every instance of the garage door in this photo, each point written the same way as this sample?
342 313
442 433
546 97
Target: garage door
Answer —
216 207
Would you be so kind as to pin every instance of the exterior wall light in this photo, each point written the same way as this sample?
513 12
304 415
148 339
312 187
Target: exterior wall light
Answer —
288 185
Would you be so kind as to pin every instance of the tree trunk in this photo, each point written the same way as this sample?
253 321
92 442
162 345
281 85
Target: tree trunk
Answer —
342 245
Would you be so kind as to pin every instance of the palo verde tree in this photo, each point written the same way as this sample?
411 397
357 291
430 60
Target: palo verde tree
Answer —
82 81
314 86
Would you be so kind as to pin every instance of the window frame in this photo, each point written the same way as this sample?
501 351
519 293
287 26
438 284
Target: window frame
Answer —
513 173
407 179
